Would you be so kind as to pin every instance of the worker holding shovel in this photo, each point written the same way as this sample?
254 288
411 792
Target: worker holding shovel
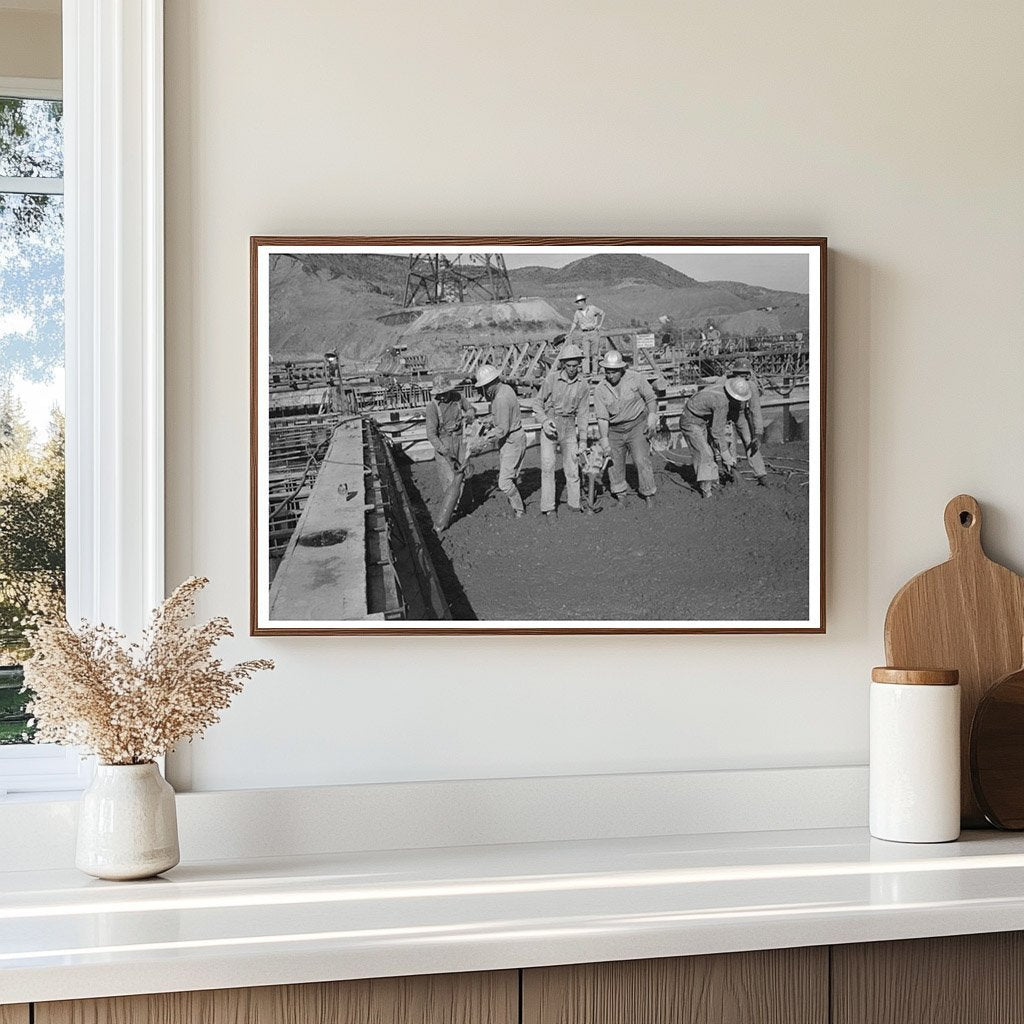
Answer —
447 414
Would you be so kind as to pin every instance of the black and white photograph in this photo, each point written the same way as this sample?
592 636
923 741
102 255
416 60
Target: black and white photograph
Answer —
537 435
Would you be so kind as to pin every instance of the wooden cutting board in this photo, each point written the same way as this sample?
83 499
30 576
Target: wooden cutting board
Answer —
967 614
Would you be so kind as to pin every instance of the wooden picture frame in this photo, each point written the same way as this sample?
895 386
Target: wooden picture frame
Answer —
342 364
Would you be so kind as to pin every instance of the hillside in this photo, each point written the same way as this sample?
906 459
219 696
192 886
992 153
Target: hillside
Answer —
384 275
757 295
349 302
632 288
618 268
320 302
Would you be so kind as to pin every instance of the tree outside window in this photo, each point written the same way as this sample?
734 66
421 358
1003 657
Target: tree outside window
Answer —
32 541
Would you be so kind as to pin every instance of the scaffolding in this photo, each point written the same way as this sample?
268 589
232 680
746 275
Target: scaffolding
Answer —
518 362
298 445
779 367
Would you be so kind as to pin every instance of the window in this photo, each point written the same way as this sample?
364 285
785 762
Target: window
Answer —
32 531
113 329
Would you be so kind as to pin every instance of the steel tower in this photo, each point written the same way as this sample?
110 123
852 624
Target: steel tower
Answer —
436 277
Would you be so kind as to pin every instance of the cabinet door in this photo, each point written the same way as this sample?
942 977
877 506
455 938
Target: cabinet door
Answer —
961 979
483 998
778 986
14 1014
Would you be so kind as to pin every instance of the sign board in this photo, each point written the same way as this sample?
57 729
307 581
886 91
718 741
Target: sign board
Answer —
645 341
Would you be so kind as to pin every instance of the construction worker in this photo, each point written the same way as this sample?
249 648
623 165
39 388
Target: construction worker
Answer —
627 417
713 338
447 413
563 408
706 427
587 321
748 420
665 331
505 433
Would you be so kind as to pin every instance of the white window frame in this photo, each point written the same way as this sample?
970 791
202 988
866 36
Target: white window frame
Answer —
114 325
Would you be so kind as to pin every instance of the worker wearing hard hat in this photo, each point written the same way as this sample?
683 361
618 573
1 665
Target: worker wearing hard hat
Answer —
748 420
446 414
706 427
563 408
627 417
506 432
587 322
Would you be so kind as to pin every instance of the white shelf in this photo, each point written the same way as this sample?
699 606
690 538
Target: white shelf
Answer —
355 915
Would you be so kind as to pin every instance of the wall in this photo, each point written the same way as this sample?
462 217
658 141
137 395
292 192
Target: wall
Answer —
30 43
894 129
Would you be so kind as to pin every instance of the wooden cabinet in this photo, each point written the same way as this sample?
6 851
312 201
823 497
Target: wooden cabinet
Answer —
778 986
962 979
967 979
491 998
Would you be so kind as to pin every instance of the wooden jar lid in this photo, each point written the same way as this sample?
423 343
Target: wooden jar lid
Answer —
916 676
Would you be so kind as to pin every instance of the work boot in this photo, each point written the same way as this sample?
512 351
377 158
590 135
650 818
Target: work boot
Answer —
587 510
707 488
762 481
648 502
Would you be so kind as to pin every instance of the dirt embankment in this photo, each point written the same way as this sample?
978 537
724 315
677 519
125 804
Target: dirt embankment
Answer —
743 555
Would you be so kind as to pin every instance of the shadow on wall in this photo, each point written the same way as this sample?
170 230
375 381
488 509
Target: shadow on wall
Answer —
853 287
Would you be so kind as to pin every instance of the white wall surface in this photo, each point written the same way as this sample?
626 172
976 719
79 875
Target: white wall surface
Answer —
894 129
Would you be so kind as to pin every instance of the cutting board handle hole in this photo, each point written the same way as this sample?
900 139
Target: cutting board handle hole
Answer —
966 519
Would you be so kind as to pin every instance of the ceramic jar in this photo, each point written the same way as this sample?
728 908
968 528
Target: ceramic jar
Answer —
127 824
915 755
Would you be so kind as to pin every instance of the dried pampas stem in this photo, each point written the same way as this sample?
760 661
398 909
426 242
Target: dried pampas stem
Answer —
129 703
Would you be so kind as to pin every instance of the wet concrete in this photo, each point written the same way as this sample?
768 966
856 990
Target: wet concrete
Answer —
741 555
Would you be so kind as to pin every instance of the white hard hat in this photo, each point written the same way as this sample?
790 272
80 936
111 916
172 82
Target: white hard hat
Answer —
485 375
580 298
613 360
738 388
443 383
570 351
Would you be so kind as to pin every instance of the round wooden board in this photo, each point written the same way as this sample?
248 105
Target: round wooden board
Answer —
997 752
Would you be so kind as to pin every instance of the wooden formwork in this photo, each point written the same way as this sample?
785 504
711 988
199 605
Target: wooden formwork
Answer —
301 374
354 548
402 577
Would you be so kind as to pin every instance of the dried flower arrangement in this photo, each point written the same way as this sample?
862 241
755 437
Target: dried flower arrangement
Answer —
130 703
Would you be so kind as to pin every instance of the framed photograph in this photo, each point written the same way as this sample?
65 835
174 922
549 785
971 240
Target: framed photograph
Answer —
537 435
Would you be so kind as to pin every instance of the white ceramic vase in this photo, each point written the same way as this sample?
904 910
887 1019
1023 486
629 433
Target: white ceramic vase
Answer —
127 825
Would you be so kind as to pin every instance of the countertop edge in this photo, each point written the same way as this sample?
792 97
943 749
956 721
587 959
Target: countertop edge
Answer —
244 969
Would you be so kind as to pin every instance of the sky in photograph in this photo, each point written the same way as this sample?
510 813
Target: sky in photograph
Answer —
782 271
